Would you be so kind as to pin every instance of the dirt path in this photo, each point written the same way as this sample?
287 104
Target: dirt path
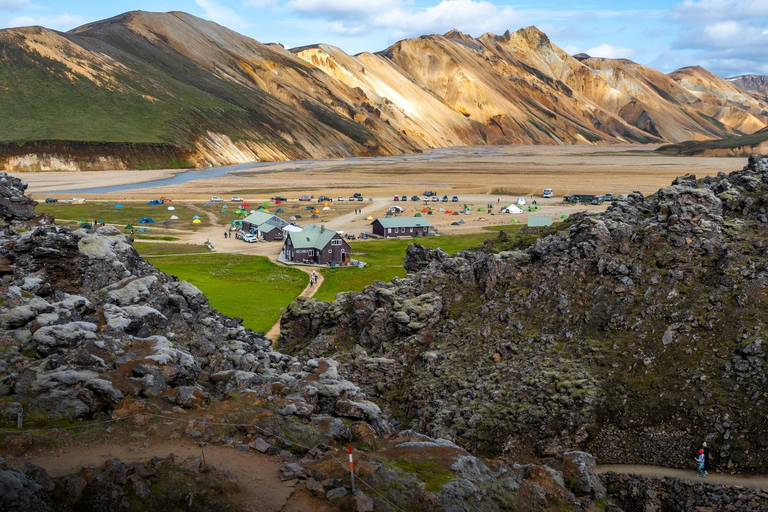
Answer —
688 475
257 474
309 291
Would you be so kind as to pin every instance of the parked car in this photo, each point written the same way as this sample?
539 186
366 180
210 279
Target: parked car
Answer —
340 198
415 198
280 198
237 199
435 199
305 198
428 193
250 238
455 199
323 199
51 200
610 196
547 192
445 199
216 199
352 198
359 198
397 197
597 200
358 194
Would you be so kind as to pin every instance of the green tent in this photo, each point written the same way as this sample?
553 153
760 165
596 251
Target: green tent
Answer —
563 216
417 215
513 219
129 226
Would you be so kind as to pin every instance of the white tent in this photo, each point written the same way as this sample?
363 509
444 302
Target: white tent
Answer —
520 201
512 209
171 208
173 217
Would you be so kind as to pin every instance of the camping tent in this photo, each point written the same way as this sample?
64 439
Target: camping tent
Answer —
482 219
314 215
118 206
292 217
417 215
512 209
171 208
279 210
196 221
155 201
146 220
173 217
369 218
326 208
196 217
520 201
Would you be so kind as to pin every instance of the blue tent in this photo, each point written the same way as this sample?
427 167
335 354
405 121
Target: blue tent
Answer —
146 220
155 201
118 206
196 217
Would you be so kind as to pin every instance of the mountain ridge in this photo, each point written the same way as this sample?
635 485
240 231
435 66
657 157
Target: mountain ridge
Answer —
216 97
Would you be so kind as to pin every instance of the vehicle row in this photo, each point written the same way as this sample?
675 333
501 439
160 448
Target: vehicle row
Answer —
432 198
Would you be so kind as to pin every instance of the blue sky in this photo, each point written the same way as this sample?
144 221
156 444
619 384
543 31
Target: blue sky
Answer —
728 37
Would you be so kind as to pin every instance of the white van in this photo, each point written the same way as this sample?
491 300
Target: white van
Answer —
547 192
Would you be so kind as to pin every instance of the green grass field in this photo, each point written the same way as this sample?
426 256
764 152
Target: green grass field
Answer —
251 287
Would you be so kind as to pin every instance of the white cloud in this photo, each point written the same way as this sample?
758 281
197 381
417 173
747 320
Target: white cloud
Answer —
14 5
62 22
608 51
692 10
221 15
352 17
342 8
259 4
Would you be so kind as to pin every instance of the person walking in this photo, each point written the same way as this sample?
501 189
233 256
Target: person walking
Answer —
706 458
700 464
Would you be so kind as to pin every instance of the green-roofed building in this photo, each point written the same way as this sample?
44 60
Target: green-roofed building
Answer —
266 225
316 245
390 227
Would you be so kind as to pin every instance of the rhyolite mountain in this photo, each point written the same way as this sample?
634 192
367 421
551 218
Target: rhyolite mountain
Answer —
752 83
171 90
635 333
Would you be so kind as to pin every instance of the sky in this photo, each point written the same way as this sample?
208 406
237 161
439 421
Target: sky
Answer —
728 37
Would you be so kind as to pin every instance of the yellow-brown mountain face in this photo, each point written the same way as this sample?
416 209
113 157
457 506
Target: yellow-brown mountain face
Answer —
170 89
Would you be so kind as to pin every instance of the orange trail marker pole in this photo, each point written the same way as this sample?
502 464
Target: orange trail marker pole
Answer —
351 468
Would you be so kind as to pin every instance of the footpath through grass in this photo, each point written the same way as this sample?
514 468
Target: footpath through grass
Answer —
251 287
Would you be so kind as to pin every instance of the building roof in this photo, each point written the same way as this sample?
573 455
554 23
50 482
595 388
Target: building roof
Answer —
311 237
404 222
259 218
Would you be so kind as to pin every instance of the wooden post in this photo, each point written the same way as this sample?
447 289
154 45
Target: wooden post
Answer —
351 468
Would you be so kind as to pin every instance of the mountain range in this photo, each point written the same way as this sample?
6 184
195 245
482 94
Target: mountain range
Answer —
171 90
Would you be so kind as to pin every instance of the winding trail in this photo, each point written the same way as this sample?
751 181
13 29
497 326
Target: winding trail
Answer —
752 481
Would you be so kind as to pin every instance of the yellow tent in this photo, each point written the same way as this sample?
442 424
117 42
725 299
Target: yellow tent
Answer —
196 221
369 218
